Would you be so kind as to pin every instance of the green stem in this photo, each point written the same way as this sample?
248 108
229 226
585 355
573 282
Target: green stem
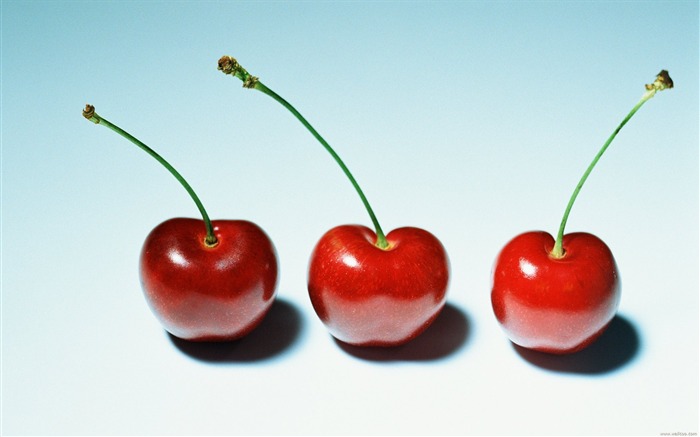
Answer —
230 66
663 81
91 115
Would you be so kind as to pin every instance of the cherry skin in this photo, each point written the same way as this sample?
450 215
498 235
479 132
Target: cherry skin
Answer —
368 296
203 292
555 305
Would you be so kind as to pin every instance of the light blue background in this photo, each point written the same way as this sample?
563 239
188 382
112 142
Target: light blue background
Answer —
473 120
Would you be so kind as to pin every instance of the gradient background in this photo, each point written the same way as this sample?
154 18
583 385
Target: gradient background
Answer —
473 120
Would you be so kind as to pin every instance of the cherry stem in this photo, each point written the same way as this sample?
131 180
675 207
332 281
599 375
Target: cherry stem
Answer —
662 82
90 114
230 66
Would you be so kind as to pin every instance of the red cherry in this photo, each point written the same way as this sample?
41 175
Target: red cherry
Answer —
555 305
369 289
559 295
204 280
204 293
367 296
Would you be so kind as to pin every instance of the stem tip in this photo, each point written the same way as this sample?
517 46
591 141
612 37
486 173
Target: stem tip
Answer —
662 82
228 65
89 113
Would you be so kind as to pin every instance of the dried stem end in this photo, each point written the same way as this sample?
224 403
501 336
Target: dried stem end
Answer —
229 65
89 113
663 81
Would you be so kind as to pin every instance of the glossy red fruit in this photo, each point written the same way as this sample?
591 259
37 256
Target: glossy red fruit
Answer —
204 293
555 305
367 296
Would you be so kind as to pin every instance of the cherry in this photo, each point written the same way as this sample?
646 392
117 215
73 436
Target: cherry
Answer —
204 280
368 288
558 296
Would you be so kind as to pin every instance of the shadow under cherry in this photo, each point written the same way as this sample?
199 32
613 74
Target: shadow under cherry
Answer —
445 336
276 334
613 350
